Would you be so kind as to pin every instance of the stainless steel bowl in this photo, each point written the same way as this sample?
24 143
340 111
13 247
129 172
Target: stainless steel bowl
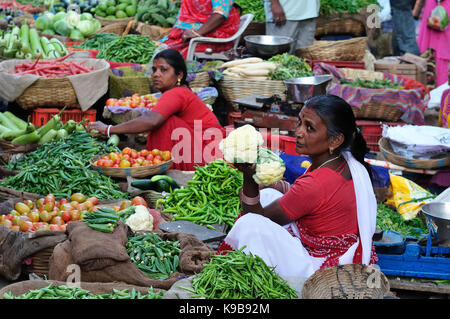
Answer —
301 89
266 46
438 219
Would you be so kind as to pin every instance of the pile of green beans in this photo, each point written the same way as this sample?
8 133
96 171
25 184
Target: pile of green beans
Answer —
97 41
62 168
64 292
211 196
128 48
156 257
237 275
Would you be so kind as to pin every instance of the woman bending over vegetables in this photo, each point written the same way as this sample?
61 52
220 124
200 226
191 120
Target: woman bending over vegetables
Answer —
327 216
203 18
180 121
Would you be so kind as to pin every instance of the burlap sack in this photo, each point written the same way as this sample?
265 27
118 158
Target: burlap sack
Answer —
194 254
23 287
93 250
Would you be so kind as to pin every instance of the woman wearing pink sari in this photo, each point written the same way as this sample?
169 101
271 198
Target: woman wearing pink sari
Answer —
203 18
439 41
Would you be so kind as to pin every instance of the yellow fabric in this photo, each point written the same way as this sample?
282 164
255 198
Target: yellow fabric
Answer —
403 191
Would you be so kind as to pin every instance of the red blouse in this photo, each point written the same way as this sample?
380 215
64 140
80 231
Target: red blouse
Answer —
323 202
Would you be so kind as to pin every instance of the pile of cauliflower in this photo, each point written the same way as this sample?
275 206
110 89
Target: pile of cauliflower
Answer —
244 145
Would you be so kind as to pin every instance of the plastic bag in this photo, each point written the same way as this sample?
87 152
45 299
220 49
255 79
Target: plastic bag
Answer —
438 19
407 197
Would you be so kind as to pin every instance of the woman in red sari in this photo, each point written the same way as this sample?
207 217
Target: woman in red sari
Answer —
180 122
203 18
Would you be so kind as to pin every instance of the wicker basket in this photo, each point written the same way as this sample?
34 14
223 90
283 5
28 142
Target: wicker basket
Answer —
201 80
117 28
131 82
104 21
390 156
352 281
346 50
234 88
49 93
40 262
137 172
344 26
373 110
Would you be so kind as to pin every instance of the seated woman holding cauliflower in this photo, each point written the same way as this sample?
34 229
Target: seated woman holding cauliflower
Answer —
327 216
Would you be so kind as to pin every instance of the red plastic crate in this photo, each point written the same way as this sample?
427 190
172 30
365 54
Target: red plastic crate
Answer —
287 144
344 64
372 132
40 117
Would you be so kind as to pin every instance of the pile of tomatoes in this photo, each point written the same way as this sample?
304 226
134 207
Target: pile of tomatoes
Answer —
50 214
47 213
130 157
136 100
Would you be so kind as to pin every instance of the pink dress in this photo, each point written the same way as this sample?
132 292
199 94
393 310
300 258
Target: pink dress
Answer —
437 40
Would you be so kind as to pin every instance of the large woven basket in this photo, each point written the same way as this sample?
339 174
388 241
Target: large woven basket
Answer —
373 110
131 82
117 28
49 93
346 50
104 21
388 153
40 262
352 281
344 26
138 172
201 80
234 88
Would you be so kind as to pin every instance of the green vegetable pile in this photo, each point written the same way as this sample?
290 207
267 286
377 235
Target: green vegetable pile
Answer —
289 67
103 219
156 257
62 167
237 275
375 84
252 6
388 219
64 292
328 7
210 197
162 13
97 41
131 48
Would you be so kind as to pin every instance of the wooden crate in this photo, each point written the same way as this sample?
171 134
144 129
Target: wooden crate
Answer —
407 69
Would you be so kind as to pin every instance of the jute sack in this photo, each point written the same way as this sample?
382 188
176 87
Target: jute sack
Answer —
23 287
194 255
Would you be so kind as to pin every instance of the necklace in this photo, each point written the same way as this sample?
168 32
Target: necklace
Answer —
330 160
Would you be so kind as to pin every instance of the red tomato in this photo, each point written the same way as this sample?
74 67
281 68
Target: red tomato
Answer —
75 214
155 152
66 216
93 200
166 155
134 154
100 163
138 201
57 220
158 157
144 152
108 163
54 227
126 151
26 226
34 216
149 157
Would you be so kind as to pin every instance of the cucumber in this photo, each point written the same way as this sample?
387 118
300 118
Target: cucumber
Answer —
48 137
168 179
21 124
144 184
29 138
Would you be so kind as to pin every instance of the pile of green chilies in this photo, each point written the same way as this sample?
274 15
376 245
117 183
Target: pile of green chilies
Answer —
211 196
128 48
97 41
62 168
65 292
156 257
237 275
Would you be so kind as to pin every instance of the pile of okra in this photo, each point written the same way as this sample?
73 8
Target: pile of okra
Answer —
156 257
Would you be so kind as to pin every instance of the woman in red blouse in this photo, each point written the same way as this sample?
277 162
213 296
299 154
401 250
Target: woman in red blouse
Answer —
180 122
327 217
